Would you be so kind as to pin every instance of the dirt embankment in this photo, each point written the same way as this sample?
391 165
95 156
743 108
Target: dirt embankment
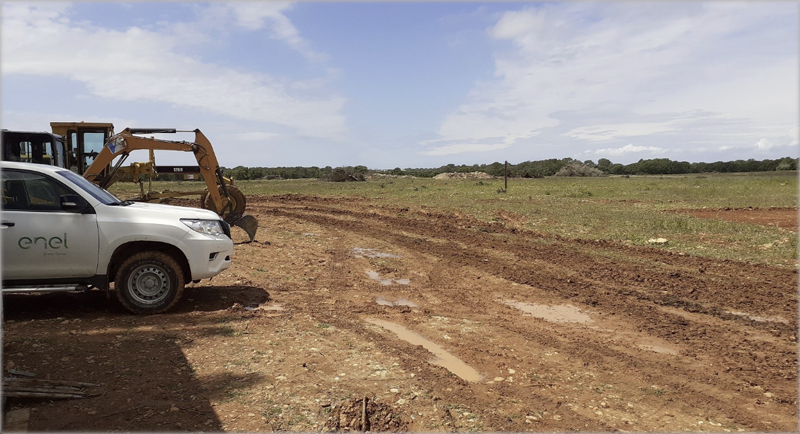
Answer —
345 315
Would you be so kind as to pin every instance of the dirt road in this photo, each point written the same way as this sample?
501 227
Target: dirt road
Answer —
345 315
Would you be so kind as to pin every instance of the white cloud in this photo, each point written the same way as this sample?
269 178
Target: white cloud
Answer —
608 132
40 120
464 147
764 144
607 71
39 39
628 149
256 15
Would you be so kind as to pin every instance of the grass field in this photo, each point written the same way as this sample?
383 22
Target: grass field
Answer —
627 210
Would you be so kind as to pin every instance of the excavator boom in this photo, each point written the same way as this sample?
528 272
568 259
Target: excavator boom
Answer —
227 201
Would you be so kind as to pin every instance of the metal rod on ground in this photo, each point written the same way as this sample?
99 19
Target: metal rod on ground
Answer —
69 390
43 395
364 414
44 381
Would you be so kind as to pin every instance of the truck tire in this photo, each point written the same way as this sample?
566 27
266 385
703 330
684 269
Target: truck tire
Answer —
237 198
149 282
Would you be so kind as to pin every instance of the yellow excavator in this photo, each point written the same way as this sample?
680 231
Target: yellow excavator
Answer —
92 148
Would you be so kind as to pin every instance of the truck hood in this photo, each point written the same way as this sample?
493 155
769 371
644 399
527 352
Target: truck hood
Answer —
172 210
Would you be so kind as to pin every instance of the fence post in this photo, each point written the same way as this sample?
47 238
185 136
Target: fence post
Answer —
505 178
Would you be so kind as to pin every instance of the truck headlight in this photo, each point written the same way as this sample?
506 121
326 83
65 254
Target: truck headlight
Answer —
208 227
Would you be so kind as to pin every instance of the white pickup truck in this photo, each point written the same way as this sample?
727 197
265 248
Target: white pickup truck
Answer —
60 232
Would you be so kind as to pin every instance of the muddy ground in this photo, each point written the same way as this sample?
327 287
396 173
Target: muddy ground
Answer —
345 315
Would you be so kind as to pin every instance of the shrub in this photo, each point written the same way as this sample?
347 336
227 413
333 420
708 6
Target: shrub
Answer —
344 174
579 170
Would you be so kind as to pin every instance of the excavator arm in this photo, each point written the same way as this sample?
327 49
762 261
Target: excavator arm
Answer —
102 172
123 143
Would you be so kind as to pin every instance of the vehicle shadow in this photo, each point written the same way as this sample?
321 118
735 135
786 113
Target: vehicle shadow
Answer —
140 362
195 298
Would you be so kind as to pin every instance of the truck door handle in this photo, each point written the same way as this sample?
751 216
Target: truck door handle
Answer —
8 224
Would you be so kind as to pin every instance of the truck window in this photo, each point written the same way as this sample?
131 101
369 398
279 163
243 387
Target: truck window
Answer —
98 193
26 191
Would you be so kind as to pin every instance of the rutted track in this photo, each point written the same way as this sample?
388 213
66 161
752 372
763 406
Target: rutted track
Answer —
693 303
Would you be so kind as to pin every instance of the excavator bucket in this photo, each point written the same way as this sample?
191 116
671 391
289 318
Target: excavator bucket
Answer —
248 223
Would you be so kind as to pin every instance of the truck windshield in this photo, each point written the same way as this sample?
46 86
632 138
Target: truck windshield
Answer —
98 193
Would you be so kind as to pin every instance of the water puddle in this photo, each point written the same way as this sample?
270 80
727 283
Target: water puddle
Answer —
372 253
377 277
273 308
400 302
443 358
657 347
759 318
563 313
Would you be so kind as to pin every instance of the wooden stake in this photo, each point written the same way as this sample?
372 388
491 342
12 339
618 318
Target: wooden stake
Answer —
505 178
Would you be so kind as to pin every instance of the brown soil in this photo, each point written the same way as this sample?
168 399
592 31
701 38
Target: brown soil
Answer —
565 335
785 218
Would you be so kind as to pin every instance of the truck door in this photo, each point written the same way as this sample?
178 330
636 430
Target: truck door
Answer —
38 235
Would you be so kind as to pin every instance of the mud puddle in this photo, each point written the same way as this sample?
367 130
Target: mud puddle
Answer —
443 358
270 308
372 253
657 346
400 302
757 318
563 313
377 277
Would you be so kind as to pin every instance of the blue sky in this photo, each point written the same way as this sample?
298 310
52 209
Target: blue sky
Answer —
415 84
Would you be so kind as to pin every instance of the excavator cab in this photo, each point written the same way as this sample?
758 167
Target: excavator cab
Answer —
84 141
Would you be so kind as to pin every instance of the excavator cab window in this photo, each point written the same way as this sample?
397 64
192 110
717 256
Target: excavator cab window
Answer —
93 142
84 144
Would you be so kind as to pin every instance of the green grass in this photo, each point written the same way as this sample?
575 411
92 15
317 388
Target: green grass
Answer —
628 210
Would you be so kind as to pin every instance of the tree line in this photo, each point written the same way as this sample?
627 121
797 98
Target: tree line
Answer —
526 169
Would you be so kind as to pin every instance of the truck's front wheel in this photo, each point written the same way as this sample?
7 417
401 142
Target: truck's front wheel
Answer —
149 282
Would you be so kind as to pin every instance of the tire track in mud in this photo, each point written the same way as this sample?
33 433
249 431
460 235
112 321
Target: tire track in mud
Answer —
347 316
671 289
701 280
629 289
691 282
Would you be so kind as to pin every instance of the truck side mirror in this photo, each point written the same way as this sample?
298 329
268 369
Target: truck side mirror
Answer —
75 203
